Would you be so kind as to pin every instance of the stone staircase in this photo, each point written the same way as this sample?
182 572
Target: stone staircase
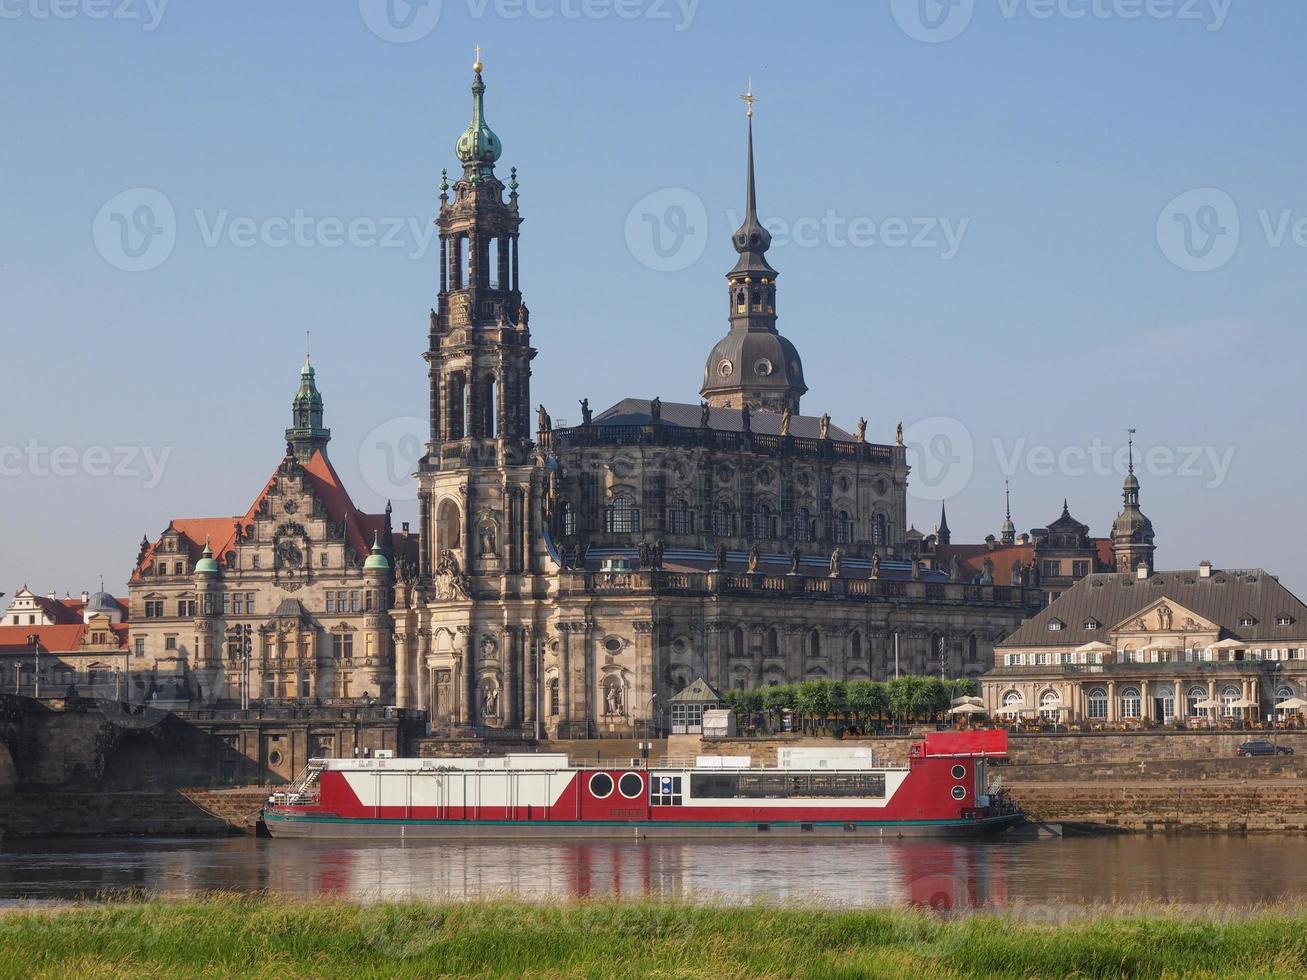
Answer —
237 808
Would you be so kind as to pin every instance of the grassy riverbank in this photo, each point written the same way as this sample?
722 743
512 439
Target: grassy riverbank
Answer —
227 936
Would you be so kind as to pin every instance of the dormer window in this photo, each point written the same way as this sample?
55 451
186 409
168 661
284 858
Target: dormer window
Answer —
1246 620
1091 624
1283 620
1056 625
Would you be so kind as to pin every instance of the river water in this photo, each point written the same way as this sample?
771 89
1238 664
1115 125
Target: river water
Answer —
994 875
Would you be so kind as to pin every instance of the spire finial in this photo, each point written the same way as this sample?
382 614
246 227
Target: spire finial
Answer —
748 99
476 65
1007 496
307 347
1130 448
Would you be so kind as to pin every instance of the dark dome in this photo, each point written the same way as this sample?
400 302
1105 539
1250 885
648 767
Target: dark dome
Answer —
753 359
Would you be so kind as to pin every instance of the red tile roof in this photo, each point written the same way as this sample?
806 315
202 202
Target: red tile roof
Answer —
220 532
971 559
64 638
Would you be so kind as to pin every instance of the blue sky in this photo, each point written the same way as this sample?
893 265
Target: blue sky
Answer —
1071 218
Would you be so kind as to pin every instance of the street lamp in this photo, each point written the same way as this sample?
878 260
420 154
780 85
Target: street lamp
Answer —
646 745
35 641
245 632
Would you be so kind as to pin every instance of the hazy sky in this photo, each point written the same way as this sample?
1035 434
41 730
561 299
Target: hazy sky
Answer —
1018 226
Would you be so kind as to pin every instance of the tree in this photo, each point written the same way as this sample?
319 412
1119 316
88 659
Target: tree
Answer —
776 699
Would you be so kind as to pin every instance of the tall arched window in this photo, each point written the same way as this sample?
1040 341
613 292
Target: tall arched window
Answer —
770 643
569 518
1229 695
722 524
449 526
737 642
553 697
878 534
1192 698
762 526
623 515
1049 702
678 518
937 652
803 525
855 645
490 406
973 653
814 644
1096 701
843 528
1131 703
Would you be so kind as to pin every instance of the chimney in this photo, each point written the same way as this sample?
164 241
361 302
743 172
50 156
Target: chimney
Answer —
1141 572
1204 569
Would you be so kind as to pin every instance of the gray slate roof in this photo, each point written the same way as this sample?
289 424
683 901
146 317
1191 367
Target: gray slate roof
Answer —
1111 597
699 692
635 411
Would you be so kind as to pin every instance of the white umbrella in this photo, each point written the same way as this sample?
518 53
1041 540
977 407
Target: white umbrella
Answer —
1209 704
1094 646
1010 709
1228 644
968 699
1292 704
1243 703
967 709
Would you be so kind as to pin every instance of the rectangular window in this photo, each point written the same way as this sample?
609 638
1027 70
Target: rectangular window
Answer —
353 601
249 603
226 604
1052 569
342 646
331 602
1079 569
170 642
254 561
665 790
140 646
367 601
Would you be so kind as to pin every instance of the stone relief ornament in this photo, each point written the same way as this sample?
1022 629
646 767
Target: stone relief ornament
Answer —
451 583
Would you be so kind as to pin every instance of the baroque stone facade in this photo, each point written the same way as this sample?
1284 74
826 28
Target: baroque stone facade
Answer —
289 600
570 580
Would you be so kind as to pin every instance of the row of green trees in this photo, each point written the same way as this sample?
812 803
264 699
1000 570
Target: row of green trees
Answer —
849 704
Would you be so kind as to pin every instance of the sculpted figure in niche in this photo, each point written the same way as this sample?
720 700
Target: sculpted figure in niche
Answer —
613 698
487 538
490 701
1164 616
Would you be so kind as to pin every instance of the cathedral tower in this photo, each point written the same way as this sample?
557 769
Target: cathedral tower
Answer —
1132 532
753 364
307 433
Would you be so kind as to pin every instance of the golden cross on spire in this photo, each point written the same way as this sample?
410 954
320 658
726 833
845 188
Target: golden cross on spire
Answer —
748 99
477 66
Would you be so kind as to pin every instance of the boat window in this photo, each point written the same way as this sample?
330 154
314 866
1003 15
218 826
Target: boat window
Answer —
787 785
630 785
665 791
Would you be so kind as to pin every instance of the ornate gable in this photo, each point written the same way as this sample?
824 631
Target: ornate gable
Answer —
1166 616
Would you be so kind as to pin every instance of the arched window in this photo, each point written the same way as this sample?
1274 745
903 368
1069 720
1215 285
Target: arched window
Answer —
1096 699
723 526
855 645
449 526
623 515
843 528
1049 702
770 644
1131 702
737 642
814 644
553 697
937 651
569 518
762 526
1229 695
803 525
1193 697
973 652
678 518
490 406
1013 699
878 535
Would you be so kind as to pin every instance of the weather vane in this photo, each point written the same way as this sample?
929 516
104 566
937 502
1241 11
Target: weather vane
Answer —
748 98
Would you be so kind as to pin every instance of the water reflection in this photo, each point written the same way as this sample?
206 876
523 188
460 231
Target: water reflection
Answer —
1238 871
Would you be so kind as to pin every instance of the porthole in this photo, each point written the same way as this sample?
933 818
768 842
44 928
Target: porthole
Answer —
959 792
274 758
959 772
631 785
762 367
725 369
601 786
613 644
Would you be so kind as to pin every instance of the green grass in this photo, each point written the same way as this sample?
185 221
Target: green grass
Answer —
271 937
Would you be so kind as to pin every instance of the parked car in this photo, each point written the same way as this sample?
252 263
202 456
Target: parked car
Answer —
1259 746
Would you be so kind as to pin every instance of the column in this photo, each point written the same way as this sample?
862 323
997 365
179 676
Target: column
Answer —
401 670
529 679
424 668
1112 713
509 714
1180 703
565 678
1145 708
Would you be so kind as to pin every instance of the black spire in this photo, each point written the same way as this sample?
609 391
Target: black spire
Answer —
942 533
